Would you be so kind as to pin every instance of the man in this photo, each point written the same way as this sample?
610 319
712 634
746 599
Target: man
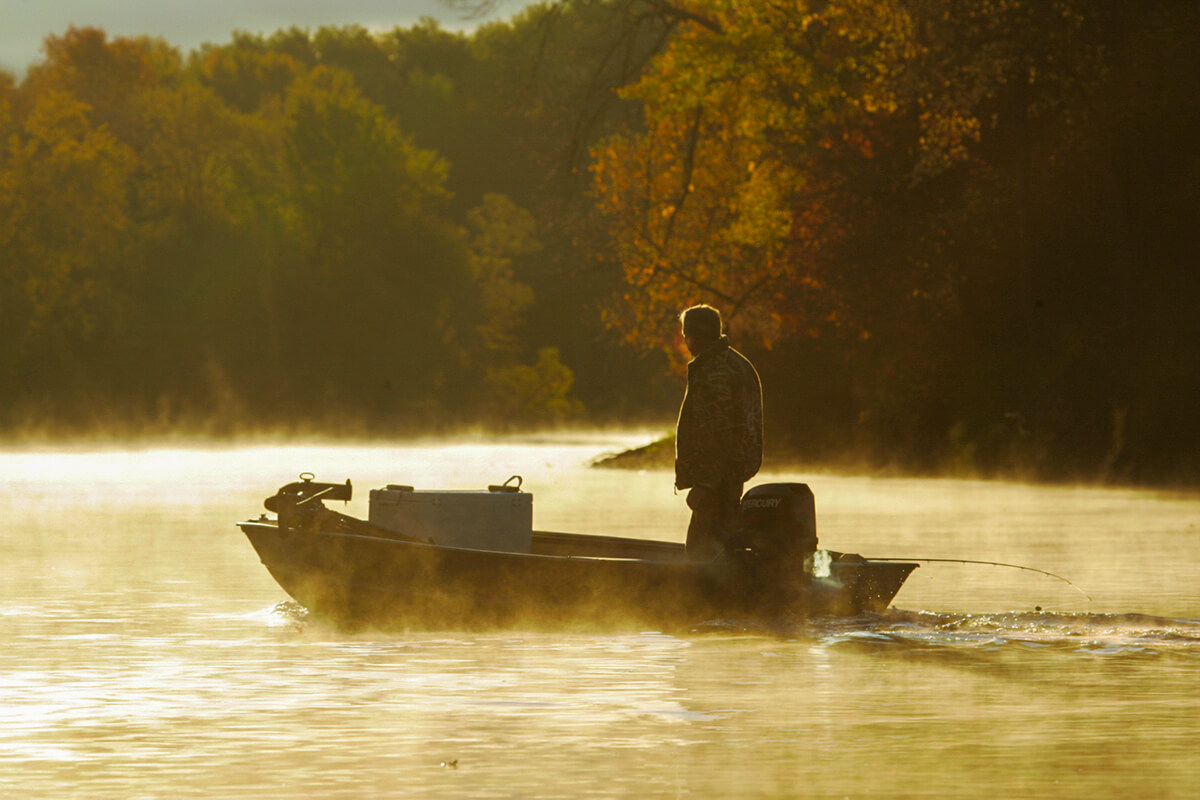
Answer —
718 438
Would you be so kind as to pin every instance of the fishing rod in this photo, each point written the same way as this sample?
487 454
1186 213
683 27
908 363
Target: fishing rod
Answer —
988 564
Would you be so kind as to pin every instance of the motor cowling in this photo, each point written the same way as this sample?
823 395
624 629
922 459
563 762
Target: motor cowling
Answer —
778 522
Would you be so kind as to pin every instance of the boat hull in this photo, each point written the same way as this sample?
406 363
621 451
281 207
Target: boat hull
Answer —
366 581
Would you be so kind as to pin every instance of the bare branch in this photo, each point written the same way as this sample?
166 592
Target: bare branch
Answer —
473 9
675 12
689 164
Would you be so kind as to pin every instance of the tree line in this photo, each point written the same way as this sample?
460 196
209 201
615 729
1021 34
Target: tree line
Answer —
959 232
333 228
953 234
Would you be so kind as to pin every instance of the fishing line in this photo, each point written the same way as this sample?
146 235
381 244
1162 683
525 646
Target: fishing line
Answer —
988 564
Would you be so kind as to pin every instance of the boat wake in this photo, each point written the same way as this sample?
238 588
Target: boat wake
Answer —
1081 633
917 631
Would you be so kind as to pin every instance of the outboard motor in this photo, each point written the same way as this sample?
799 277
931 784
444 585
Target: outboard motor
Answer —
778 524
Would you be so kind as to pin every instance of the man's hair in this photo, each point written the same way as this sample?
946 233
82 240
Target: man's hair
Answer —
702 321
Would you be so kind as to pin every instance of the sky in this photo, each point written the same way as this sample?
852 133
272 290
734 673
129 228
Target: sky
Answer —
187 24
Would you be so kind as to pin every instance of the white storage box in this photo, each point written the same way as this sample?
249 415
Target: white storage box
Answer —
480 520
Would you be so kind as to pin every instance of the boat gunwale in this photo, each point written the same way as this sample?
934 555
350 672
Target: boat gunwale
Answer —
273 525
270 524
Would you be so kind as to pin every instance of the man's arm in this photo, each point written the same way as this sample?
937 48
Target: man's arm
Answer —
717 416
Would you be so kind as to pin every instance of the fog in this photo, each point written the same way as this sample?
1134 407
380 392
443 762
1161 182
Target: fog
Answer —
146 649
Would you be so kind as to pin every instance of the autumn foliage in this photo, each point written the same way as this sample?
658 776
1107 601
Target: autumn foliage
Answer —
953 234
929 219
243 238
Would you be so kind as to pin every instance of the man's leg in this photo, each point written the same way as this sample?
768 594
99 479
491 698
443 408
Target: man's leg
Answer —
714 520
730 496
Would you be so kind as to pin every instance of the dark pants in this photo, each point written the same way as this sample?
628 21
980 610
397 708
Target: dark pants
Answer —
714 520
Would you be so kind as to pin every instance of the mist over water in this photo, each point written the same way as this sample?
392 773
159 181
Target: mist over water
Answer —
146 652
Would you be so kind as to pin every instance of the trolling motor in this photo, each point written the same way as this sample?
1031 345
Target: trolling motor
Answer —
307 490
298 503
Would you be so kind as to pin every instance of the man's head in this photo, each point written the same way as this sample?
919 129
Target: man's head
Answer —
701 327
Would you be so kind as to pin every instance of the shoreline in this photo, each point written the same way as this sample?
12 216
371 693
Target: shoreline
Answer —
660 455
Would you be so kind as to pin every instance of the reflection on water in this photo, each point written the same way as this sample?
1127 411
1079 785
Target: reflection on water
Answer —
1082 634
147 653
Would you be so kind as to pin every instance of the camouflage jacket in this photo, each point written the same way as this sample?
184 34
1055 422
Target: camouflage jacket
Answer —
718 437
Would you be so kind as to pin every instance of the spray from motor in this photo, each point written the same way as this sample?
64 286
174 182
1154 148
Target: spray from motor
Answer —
822 564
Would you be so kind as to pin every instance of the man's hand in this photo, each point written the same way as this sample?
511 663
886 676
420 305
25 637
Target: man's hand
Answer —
702 497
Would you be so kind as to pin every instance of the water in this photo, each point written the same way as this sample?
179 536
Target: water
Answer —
144 651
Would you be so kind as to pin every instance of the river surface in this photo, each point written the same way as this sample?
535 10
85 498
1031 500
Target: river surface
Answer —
145 652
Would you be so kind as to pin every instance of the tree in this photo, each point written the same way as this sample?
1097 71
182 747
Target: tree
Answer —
247 74
500 231
905 176
753 158
63 211
377 272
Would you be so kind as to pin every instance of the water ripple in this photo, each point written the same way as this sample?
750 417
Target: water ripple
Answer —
1084 633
